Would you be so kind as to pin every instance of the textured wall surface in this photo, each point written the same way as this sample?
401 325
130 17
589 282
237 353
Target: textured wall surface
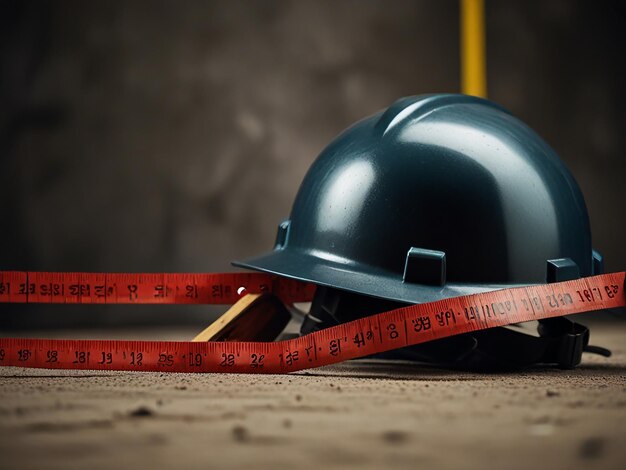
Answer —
172 137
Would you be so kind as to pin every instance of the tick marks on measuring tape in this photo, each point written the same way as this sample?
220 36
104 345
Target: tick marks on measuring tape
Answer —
480 312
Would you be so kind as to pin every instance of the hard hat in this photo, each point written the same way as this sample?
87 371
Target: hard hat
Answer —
438 196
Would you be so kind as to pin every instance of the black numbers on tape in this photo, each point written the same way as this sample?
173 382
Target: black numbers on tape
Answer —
289 358
220 290
53 290
132 291
26 289
81 357
23 355
161 291
531 303
195 360
166 360
5 288
595 294
228 360
334 347
136 358
446 318
393 332
559 300
500 308
611 290
361 338
2 354
585 295
80 290
589 295
471 313
102 291
308 353
421 324
106 358
256 360
191 291
52 356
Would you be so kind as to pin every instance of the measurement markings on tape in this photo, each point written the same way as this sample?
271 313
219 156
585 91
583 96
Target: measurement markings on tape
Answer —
386 331
144 288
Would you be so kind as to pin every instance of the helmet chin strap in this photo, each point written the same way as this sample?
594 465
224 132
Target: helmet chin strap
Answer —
556 341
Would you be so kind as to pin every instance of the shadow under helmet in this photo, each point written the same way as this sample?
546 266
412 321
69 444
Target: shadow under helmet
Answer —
438 196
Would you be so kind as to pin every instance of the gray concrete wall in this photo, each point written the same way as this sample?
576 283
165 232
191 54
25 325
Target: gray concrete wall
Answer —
160 136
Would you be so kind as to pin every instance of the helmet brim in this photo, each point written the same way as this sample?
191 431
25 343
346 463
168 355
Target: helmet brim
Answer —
303 266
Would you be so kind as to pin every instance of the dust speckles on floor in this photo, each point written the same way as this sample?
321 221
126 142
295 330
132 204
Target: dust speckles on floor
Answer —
360 414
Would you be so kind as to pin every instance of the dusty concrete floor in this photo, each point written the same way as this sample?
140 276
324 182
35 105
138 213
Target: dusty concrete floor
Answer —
365 415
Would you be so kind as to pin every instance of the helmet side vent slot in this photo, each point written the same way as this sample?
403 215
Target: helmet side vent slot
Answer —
597 263
423 266
282 234
561 269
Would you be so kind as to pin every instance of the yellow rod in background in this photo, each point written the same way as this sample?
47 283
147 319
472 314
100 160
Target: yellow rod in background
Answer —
473 59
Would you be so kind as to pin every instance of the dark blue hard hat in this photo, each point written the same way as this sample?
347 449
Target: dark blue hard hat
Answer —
437 196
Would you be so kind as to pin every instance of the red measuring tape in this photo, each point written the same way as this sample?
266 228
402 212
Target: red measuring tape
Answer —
374 334
144 288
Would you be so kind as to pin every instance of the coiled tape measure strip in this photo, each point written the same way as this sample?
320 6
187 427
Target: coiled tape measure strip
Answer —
383 332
